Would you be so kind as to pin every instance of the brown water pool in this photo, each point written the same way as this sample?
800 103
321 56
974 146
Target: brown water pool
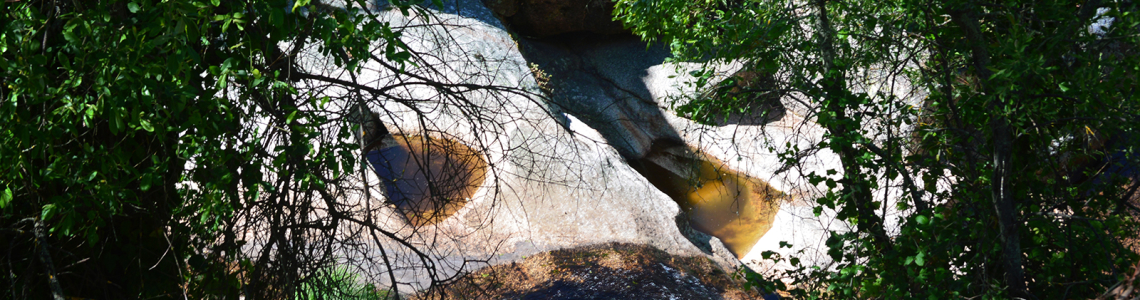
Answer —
718 201
427 179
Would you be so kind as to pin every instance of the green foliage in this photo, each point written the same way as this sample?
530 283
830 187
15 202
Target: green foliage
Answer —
1015 94
127 129
338 283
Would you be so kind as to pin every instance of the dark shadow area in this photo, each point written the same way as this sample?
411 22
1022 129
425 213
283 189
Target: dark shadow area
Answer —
573 290
599 80
544 18
701 240
604 271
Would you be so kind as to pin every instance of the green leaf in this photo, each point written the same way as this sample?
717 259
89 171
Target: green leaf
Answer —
89 113
92 235
144 182
400 56
118 124
289 118
69 32
920 259
5 198
63 60
146 125
922 220
133 7
299 4
48 211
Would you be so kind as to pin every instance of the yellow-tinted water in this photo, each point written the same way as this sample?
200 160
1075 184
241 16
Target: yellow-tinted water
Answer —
718 201
428 179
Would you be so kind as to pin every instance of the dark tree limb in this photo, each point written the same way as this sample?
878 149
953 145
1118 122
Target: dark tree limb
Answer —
45 258
915 192
1001 140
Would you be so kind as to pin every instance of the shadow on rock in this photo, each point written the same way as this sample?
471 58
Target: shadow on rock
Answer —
600 81
606 271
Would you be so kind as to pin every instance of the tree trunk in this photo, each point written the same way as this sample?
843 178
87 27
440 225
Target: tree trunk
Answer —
45 258
1001 139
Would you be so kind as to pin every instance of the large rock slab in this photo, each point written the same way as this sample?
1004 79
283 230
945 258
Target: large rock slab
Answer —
552 181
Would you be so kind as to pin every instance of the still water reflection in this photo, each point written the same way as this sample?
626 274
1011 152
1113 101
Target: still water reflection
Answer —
718 201
427 179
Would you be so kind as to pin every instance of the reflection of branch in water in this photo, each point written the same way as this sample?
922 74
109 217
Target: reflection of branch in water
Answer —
372 131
